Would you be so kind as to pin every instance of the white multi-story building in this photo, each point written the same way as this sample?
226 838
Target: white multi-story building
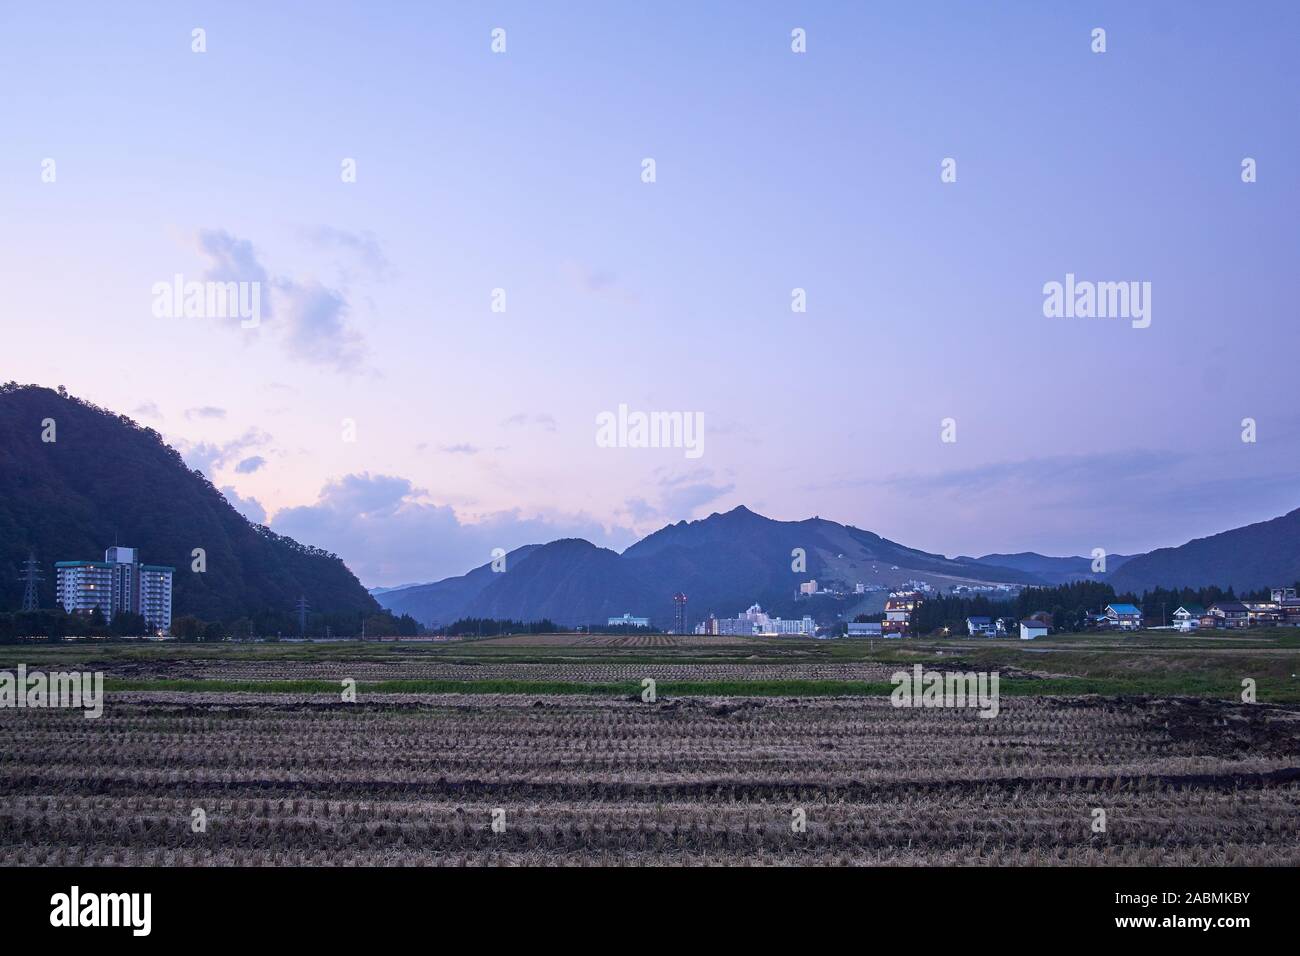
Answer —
119 583
756 622
776 625
82 586
156 596
627 620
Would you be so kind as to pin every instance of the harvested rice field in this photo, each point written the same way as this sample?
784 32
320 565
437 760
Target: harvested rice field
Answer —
475 777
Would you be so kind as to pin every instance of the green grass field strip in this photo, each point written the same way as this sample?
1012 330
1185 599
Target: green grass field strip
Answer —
1181 685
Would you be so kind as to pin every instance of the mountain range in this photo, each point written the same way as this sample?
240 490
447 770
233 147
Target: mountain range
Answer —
726 562
723 563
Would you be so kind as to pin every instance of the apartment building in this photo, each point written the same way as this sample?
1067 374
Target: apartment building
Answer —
118 584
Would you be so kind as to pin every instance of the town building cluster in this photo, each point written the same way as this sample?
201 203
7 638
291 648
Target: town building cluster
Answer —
1281 610
755 622
899 608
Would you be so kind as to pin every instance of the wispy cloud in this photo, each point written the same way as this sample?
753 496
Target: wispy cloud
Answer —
596 281
309 319
540 420
1057 474
1125 500
208 457
205 411
361 247
678 497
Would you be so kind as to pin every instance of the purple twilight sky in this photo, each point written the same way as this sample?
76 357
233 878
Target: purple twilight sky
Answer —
128 158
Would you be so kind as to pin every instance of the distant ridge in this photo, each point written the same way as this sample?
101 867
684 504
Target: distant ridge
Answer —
1054 570
1260 555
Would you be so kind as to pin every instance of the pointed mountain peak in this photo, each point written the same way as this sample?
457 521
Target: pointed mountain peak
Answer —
738 513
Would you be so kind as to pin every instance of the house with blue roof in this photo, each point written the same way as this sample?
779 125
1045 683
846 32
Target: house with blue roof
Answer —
1124 617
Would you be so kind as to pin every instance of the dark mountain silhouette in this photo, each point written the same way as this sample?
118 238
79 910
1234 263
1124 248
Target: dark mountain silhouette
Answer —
1265 554
1052 570
570 581
106 480
723 563
448 600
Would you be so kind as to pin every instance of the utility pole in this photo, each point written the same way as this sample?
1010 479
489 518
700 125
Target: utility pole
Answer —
31 576
302 616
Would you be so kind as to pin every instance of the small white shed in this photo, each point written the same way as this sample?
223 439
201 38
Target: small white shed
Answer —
1030 629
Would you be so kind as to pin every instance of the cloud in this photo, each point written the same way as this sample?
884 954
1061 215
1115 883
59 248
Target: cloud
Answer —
309 319
362 246
596 281
679 497
147 410
206 411
740 430
1055 474
461 449
230 259
250 465
207 457
315 327
389 532
250 508
540 420
683 499
1126 500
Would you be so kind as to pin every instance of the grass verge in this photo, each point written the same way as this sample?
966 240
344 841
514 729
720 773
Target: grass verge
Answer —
1163 685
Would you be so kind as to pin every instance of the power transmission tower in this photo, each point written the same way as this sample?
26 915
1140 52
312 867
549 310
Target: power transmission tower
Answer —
302 616
31 576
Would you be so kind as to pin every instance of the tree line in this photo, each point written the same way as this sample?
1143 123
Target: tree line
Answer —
56 624
494 627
